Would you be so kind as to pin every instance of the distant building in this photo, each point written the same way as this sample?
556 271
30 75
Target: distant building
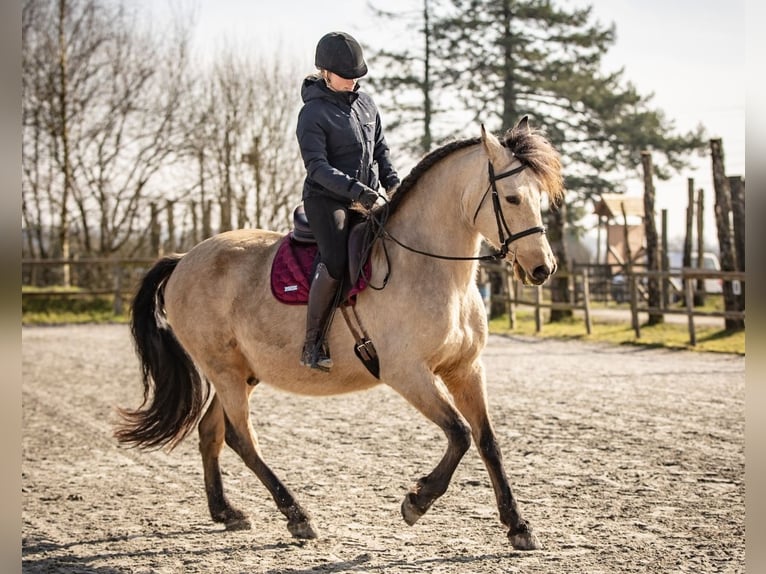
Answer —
611 248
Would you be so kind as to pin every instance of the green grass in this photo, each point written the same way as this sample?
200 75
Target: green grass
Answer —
667 335
56 310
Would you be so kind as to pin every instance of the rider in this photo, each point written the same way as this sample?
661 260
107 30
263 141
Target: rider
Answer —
340 137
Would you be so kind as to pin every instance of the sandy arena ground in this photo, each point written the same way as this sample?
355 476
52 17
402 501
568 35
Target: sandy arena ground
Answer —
623 460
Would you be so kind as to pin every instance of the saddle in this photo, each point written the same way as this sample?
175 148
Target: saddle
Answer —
296 259
294 266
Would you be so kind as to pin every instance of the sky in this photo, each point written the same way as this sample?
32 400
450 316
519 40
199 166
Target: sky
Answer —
690 54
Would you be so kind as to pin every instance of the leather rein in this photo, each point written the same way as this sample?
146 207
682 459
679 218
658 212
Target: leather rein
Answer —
503 231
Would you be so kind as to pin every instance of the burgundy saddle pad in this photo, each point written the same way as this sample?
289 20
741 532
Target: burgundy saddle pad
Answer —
291 272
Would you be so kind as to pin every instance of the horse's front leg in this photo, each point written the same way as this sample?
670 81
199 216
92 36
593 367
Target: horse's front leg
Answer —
469 393
422 392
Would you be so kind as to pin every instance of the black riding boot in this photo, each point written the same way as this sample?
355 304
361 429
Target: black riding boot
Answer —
324 287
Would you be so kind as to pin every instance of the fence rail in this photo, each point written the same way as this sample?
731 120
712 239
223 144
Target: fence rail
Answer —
94 277
581 281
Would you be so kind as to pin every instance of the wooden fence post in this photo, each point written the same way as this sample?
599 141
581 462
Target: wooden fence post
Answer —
117 305
633 301
737 188
690 310
171 241
665 281
699 297
154 226
652 247
722 214
538 311
513 294
586 297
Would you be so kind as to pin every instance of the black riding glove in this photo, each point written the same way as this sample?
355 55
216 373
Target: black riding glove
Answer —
365 195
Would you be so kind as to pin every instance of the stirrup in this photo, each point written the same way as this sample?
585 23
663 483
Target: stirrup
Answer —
316 357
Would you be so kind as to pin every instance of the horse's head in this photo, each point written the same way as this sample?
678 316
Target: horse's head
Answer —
507 211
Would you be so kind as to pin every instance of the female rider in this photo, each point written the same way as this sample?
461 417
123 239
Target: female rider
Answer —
346 157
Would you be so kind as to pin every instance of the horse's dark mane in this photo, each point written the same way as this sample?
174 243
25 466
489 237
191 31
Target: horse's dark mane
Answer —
424 165
529 147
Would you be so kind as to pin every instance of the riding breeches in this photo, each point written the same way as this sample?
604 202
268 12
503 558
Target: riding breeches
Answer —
330 221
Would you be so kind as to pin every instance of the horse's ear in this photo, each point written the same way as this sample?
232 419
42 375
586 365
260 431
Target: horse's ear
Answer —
523 125
491 144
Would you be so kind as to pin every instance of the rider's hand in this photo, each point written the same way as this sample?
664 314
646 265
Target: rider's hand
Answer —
367 196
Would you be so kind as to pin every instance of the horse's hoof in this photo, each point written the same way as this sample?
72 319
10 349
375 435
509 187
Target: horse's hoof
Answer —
525 540
302 530
410 512
238 523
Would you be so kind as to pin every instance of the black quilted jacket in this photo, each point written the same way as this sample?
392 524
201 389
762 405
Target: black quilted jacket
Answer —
342 143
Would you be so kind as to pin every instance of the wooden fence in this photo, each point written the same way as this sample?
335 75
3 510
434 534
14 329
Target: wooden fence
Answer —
688 277
117 278
514 295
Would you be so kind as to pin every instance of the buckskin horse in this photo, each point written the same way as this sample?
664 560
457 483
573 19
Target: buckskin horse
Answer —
209 317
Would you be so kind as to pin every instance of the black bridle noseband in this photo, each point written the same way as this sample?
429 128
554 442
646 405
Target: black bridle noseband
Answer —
503 231
502 225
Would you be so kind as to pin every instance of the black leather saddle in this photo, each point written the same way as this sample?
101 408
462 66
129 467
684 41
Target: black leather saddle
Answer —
301 231
359 240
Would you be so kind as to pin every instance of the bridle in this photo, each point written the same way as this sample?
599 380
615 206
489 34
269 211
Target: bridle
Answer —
502 225
503 231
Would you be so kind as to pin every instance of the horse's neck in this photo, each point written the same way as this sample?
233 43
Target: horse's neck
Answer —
433 220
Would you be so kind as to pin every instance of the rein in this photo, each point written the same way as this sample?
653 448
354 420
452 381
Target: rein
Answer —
503 231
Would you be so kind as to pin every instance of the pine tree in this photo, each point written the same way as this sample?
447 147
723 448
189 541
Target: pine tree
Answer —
411 85
501 59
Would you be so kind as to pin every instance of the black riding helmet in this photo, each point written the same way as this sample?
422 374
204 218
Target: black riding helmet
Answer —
339 53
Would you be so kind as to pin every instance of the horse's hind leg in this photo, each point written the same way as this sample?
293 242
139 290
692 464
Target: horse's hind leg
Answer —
211 437
241 437
469 395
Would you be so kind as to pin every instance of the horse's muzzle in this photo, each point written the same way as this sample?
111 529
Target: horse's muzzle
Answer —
541 274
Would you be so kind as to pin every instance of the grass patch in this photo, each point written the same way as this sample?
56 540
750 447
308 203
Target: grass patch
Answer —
666 335
70 307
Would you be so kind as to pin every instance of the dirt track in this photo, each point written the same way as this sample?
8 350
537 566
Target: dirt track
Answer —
623 459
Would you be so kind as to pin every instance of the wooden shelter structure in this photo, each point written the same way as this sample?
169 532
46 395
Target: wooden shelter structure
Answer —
619 217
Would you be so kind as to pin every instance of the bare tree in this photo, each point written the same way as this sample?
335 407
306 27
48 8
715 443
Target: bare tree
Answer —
278 180
196 150
100 102
220 113
241 139
131 133
56 52
114 123
36 180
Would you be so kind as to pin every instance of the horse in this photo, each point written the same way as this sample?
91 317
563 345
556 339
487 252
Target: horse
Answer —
208 317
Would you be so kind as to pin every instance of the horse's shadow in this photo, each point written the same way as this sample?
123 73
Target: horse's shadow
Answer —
360 563
62 560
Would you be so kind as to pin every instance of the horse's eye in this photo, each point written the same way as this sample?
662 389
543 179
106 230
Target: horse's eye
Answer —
513 199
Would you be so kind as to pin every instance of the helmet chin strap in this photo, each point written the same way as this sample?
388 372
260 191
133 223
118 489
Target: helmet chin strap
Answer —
326 75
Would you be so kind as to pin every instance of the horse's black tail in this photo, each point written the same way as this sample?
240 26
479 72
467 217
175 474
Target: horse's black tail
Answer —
175 393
